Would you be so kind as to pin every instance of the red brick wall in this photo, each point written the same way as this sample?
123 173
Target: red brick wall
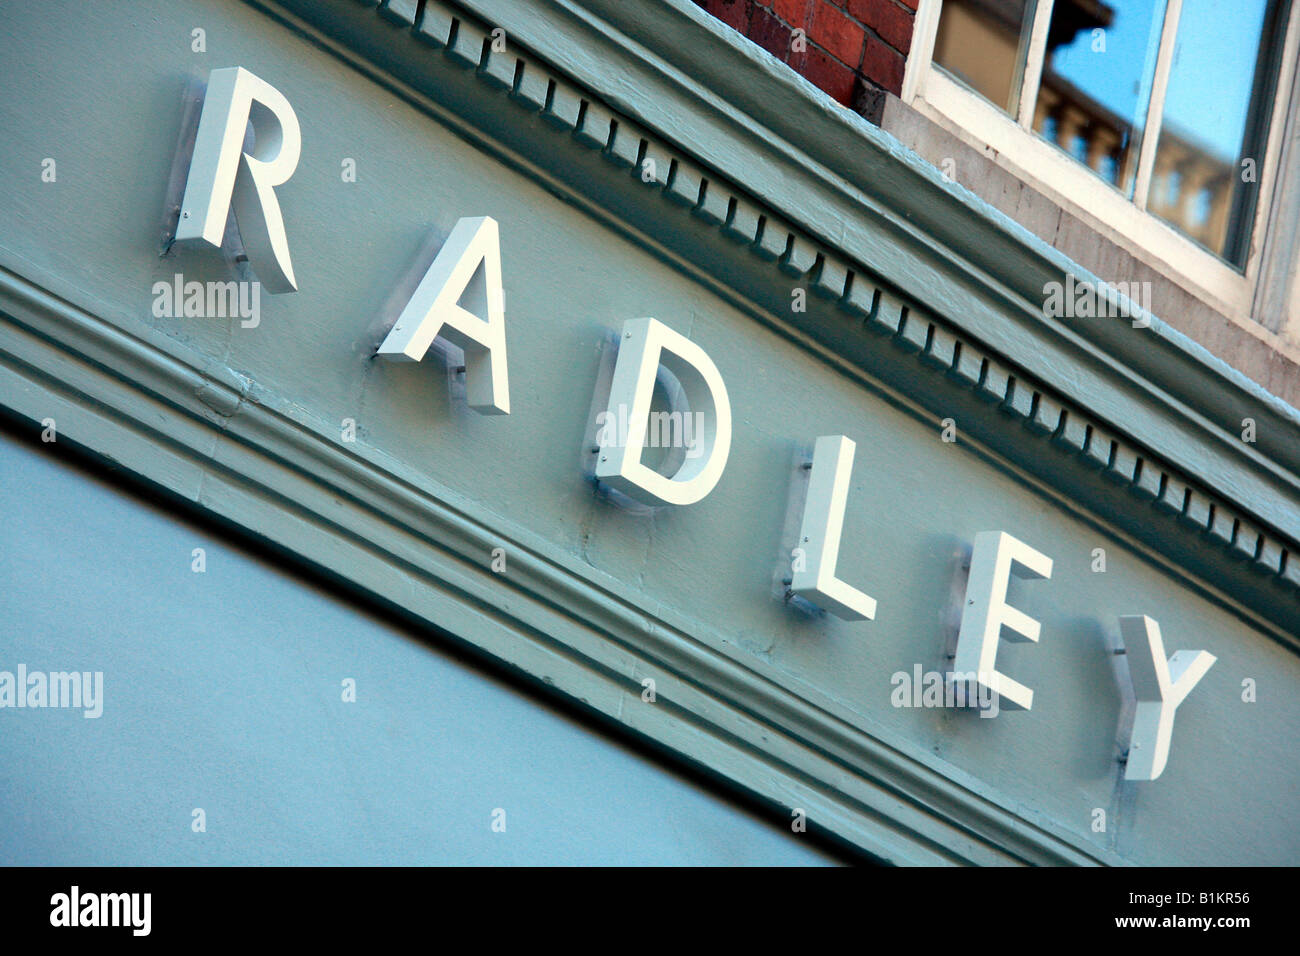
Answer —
852 49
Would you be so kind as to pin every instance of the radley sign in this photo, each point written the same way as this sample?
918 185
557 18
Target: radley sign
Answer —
224 177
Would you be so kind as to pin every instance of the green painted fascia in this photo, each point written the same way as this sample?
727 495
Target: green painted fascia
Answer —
213 440
763 184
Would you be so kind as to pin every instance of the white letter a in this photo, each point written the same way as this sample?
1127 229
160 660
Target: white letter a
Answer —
434 311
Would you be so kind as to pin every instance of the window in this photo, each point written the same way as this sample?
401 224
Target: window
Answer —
1153 117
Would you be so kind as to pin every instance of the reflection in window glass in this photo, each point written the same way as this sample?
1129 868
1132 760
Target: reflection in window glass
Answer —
983 44
1215 116
1097 74
1201 211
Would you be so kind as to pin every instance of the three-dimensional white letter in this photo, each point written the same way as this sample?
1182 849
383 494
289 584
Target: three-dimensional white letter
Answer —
646 345
819 533
222 174
1160 686
433 311
986 616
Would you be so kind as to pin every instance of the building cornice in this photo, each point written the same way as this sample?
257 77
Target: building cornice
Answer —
213 439
217 442
761 183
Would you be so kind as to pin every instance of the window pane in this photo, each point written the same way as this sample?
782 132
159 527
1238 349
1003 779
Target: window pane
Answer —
1216 116
983 44
1101 59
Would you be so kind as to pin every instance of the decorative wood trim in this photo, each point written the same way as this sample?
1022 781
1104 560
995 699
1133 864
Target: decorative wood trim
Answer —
1172 500
213 439
1032 72
925 29
1155 114
210 437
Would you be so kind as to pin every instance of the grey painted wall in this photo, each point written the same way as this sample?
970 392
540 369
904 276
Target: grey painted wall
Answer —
915 503
222 690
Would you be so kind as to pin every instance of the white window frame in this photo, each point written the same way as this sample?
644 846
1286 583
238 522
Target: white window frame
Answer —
1012 143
